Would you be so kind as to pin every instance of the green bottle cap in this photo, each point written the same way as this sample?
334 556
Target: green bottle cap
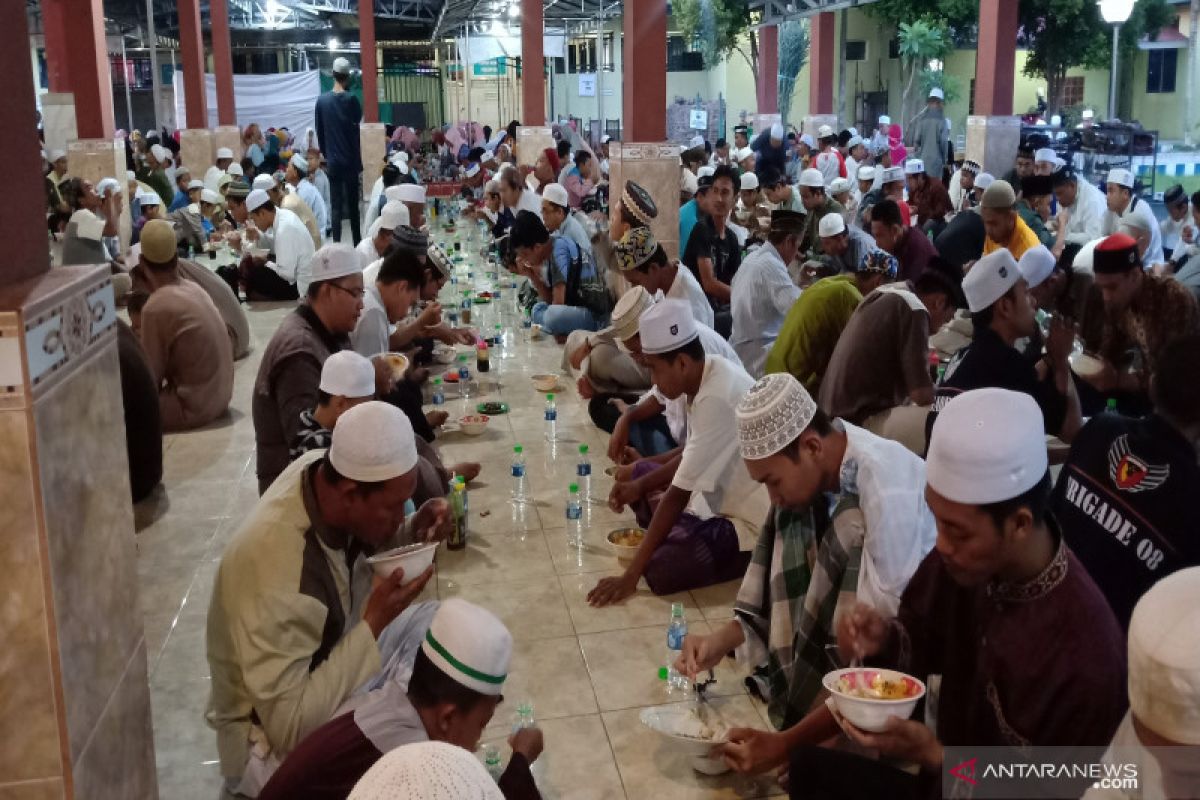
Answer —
583 448
550 396
437 381
1111 405
462 358
662 673
518 449
574 487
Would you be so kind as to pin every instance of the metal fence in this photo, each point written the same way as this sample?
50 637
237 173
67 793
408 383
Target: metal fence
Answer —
412 95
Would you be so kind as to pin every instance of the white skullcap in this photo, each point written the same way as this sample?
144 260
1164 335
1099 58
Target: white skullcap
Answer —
393 215
556 194
983 180
706 171
914 166
839 185
235 169
1055 120
893 174
470 645
854 141
937 93
373 442
256 200
130 176
341 66
335 260
749 181
696 141
224 152
392 193
866 173
159 152
744 153
211 197
773 413
807 139
628 311
148 198
300 163
884 119
824 132
1121 177
399 157
1045 154
56 154
1088 113
411 193
831 224
688 182
427 771
1086 256
989 279
1164 657
264 182
1036 265
987 446
777 132
667 325
348 374
107 185
492 187
605 139
812 178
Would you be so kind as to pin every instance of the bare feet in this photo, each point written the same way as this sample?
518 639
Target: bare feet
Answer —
468 469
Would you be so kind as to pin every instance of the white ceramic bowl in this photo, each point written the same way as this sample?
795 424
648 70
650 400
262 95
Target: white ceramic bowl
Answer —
621 551
545 383
1085 366
871 714
398 363
473 424
414 558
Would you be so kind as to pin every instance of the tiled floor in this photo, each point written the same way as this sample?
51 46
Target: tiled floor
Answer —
587 671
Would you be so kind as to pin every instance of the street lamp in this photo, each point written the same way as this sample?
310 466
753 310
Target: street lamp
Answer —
1115 13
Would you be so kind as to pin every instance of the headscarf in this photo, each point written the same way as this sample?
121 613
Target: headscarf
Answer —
896 145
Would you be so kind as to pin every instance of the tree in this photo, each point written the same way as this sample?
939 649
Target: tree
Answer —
722 27
921 42
793 52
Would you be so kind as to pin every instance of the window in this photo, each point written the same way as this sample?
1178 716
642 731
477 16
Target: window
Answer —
1160 72
680 57
607 62
1072 91
894 49
971 100
856 50
581 55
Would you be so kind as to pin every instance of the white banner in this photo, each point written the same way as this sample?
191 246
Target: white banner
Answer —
284 100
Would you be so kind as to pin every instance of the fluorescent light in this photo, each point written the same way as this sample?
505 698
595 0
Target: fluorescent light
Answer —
334 44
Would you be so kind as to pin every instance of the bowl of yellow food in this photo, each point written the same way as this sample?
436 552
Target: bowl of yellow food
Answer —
397 362
545 383
414 558
866 696
624 542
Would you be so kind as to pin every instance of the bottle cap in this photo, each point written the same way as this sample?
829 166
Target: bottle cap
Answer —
437 381
462 358
1112 403
662 673
676 609
574 487
550 396
583 448
518 449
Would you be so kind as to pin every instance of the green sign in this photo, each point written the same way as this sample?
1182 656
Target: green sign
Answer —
489 69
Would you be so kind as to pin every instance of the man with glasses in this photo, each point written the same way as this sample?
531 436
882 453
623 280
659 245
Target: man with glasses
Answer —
289 374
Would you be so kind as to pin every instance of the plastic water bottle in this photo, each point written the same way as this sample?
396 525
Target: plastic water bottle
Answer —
676 631
439 394
575 520
458 508
551 417
464 377
583 473
491 760
526 326
518 474
1110 406
524 717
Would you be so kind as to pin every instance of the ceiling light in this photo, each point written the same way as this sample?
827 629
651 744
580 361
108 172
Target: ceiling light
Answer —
334 44
514 11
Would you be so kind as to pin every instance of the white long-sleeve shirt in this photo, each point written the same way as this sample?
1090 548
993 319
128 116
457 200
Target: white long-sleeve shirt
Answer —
309 194
293 250
762 293
1139 208
1086 219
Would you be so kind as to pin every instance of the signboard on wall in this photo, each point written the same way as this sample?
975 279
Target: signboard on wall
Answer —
698 119
587 84
489 69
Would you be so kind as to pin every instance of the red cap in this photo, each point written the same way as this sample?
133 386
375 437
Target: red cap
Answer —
1115 254
552 157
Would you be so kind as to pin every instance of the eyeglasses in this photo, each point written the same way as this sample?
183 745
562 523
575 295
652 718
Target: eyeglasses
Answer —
357 294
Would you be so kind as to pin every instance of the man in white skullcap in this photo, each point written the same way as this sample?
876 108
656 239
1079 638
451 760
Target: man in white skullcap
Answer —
770 149
842 248
927 134
347 379
337 116
1123 204
751 210
1160 736
298 624
413 197
428 771
856 155
557 216
762 292
389 301
828 160
374 245
801 573
276 189
284 273
928 199
456 685
879 139
1001 622
153 172
700 530
817 203
1002 312
289 374
297 179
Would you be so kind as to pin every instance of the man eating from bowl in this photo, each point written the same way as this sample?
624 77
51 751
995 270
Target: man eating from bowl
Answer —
700 529
454 692
880 531
297 625
1016 645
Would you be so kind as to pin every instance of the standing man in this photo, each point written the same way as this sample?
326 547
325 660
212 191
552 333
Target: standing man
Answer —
929 134
338 115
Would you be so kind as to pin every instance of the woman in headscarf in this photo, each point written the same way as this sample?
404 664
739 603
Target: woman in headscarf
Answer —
252 142
270 162
898 153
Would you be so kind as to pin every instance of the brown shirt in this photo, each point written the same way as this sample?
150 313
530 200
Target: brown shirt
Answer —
1162 310
881 357
932 201
188 350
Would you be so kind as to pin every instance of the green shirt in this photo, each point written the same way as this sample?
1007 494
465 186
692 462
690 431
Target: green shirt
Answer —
812 328
159 182
1035 223
810 241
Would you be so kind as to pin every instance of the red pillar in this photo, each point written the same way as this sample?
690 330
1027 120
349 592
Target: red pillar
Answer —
57 51
995 58
533 64
22 223
370 64
820 71
222 62
644 102
191 52
768 69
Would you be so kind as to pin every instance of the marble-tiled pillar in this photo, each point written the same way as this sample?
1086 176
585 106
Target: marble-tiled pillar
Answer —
372 139
228 136
75 710
196 150
992 141
94 159
813 122
532 140
58 120
656 168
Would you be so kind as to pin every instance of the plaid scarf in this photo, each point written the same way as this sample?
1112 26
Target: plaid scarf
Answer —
799 578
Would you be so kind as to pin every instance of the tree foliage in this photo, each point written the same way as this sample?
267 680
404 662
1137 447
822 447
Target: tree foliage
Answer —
921 41
721 27
793 53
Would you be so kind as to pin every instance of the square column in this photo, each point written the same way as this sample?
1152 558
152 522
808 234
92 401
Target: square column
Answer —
227 136
996 57
821 79
644 97
78 25
58 120
768 69
368 56
95 159
372 140
532 140
533 75
993 142
218 12
191 52
655 167
196 150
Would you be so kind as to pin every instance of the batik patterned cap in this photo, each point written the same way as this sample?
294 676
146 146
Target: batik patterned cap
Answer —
406 237
879 261
773 413
639 203
635 249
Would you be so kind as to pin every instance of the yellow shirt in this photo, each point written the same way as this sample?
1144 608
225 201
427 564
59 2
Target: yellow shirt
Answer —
1021 240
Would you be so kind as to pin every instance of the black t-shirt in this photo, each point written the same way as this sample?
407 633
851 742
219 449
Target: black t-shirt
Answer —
988 362
725 252
1126 502
962 240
